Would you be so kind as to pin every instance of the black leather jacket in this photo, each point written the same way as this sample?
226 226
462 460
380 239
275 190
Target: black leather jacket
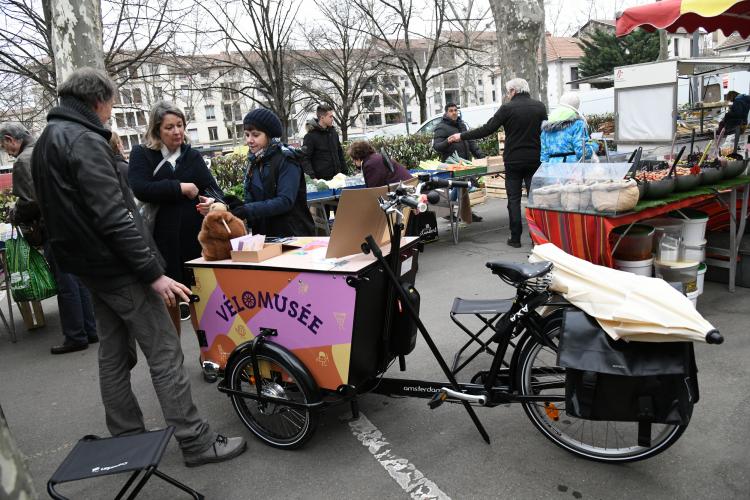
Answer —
94 228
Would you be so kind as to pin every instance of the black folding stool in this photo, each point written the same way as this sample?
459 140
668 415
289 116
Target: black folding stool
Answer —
488 312
93 457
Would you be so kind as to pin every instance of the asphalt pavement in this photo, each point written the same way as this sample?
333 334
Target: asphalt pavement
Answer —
399 448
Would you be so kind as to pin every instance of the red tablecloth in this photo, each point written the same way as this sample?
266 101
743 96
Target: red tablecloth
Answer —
588 236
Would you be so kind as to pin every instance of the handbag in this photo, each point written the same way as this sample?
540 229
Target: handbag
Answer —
149 210
606 379
423 225
30 276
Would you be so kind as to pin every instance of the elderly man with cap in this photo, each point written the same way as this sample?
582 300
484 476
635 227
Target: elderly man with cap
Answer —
275 201
566 131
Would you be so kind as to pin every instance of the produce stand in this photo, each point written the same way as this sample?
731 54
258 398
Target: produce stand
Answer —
587 236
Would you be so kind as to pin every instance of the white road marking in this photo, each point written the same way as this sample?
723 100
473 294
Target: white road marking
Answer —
400 469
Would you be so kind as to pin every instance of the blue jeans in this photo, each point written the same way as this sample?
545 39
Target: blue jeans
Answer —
74 303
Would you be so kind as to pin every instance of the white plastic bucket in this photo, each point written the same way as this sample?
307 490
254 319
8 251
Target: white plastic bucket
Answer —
701 277
693 296
695 253
639 267
693 226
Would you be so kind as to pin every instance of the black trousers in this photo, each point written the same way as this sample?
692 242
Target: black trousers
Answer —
516 175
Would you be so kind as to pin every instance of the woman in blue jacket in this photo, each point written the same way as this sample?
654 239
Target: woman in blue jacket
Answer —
566 131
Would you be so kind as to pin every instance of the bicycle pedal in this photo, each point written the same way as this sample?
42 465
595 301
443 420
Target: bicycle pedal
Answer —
438 399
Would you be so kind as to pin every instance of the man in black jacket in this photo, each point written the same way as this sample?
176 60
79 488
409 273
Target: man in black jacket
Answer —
97 234
522 119
325 156
449 125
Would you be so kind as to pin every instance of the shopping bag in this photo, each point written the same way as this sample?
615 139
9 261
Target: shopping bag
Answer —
30 275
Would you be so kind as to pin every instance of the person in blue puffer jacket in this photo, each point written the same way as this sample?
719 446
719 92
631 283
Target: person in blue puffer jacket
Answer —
566 131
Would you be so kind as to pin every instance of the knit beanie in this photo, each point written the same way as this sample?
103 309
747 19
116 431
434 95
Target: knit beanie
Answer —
571 99
264 120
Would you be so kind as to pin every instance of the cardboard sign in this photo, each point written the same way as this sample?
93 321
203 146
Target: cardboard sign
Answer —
358 216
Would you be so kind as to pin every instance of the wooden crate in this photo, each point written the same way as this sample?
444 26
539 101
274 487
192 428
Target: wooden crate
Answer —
477 197
495 186
494 164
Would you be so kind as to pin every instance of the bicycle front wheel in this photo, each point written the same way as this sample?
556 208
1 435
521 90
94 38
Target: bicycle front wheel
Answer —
276 424
600 440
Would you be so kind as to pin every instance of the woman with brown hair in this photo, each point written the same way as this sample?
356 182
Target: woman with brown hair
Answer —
377 170
166 171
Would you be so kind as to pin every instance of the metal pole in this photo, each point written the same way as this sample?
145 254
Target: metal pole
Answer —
405 104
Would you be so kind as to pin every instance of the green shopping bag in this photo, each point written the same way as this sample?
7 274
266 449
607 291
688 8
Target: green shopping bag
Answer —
30 275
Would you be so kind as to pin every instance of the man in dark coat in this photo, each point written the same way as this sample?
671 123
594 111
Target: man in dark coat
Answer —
325 156
737 114
453 124
97 233
73 299
522 119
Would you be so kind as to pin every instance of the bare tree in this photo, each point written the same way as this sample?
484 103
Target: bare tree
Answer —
395 29
257 39
340 60
132 32
471 20
520 31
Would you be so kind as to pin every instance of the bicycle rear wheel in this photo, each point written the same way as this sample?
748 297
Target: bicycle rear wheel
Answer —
603 441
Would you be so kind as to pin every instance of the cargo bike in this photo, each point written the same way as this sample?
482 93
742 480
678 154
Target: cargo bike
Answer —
291 336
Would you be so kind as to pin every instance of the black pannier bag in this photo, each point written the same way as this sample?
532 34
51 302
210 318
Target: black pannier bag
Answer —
404 328
423 225
606 379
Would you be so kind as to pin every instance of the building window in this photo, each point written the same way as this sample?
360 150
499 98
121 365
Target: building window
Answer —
134 140
213 133
189 114
494 98
492 81
205 73
206 92
481 99
137 98
230 132
125 142
133 72
391 118
237 112
227 108
210 112
130 119
479 82
374 119
158 93
239 130
676 43
120 120
126 96
154 69
193 135
140 117
573 77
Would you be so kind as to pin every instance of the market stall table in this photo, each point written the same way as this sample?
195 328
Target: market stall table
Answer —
588 236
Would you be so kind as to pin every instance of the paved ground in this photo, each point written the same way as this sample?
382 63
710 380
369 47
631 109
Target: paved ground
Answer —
50 402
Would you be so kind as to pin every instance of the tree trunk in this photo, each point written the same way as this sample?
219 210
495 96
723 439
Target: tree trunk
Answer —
76 35
520 26
16 481
543 70
422 98
663 45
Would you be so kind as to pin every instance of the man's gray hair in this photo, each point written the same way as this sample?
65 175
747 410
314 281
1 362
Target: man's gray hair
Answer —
155 119
89 85
16 131
519 85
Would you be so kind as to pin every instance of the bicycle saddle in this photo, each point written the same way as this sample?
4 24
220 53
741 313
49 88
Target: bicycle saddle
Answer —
518 273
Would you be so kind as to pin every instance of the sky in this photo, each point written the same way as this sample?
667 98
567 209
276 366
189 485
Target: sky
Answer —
563 17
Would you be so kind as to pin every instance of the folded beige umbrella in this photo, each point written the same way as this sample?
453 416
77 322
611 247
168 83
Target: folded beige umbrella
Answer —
627 306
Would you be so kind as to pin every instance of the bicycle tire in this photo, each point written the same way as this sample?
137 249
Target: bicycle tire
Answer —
585 438
276 425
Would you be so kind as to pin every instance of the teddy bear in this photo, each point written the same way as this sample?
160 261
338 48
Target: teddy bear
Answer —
219 226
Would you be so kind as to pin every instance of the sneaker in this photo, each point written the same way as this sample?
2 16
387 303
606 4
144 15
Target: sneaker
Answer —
513 243
222 449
